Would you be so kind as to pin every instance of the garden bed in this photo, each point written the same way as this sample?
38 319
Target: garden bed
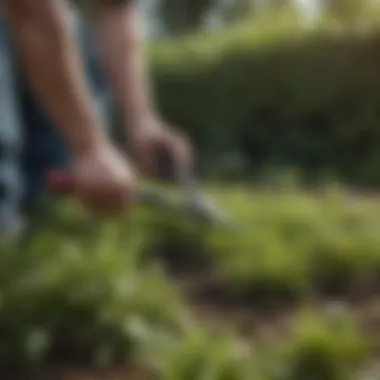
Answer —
298 283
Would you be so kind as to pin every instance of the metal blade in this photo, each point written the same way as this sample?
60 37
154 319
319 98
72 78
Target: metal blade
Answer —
194 202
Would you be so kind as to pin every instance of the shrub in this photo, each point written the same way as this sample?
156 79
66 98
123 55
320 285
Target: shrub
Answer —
82 291
286 243
81 298
279 96
328 348
201 355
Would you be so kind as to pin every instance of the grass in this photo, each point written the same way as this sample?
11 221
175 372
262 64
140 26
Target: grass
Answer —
100 294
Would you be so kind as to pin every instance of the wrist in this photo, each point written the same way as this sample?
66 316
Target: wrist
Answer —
138 120
138 108
87 143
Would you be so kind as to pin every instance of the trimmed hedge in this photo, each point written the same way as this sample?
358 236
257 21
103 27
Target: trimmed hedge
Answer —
278 96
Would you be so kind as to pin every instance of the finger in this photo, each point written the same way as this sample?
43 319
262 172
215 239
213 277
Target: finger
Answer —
108 202
182 152
166 165
143 152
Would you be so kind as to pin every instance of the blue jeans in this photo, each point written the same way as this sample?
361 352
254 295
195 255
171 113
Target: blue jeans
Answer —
29 142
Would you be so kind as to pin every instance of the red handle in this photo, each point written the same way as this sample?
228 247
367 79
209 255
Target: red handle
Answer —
59 182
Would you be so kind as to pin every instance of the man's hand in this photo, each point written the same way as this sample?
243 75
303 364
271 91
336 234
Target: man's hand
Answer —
148 137
103 181
48 50
120 41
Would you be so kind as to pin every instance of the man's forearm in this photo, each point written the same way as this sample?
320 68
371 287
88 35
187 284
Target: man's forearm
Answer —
49 56
119 32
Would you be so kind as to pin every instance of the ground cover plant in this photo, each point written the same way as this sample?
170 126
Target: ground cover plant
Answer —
167 295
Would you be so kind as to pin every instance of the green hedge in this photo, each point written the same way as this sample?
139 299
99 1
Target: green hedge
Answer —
279 96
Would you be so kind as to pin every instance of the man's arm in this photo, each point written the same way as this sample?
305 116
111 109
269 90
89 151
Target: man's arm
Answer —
101 178
119 33
48 53
120 37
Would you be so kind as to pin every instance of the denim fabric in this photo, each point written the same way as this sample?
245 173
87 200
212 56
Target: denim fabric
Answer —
23 121
11 186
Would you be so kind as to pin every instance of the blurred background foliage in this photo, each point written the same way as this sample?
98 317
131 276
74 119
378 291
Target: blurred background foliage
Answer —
176 17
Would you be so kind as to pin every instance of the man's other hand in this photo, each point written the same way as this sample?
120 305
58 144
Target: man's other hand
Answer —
148 137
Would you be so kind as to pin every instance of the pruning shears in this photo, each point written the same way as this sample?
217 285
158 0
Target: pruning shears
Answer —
194 202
